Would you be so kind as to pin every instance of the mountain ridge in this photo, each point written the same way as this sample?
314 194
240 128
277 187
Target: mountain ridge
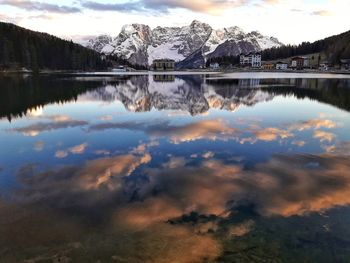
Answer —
333 49
139 44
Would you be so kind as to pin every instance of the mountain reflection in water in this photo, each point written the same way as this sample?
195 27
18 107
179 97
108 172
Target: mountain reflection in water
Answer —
194 94
163 168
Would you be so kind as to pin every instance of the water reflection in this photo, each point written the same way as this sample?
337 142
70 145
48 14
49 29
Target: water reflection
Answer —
26 94
180 200
175 169
164 78
53 122
194 94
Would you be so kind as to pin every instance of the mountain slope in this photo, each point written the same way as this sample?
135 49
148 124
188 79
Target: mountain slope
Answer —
190 45
21 47
334 48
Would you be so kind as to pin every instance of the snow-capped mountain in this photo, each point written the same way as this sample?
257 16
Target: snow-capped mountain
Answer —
99 43
191 44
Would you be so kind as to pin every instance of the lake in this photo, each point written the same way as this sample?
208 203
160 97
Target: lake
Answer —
241 167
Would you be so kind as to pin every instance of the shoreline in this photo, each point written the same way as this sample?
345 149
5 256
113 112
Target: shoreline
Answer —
175 72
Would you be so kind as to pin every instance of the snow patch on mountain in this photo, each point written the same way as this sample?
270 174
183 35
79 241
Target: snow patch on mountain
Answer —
165 50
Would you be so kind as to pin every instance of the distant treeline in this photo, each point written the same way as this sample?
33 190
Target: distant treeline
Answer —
116 60
20 47
334 48
224 61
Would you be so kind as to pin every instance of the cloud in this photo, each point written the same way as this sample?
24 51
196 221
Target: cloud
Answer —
342 148
96 180
299 143
286 185
217 130
40 6
9 19
272 134
152 205
296 10
324 136
208 155
300 184
106 118
120 7
57 122
104 181
313 124
214 7
322 13
271 2
175 162
78 149
39 146
61 154
207 129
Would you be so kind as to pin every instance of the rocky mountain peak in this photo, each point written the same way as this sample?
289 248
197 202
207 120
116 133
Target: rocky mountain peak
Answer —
139 44
139 30
99 42
198 24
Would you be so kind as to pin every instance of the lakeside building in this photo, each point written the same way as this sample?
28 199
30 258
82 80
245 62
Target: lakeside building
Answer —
268 66
214 65
345 64
163 65
253 59
299 63
324 66
281 65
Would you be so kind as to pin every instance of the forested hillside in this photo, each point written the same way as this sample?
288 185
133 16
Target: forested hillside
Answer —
20 47
334 48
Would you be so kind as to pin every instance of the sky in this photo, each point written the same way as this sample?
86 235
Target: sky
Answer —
291 21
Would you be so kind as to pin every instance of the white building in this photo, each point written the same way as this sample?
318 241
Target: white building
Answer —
251 60
306 62
300 63
281 66
214 65
324 66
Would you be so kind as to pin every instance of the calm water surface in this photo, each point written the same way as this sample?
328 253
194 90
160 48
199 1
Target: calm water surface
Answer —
185 168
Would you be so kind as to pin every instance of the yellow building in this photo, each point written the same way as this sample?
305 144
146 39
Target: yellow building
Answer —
268 66
163 64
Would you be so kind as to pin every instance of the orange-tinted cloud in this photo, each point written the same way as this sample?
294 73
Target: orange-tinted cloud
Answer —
77 149
322 13
324 136
313 124
272 134
208 129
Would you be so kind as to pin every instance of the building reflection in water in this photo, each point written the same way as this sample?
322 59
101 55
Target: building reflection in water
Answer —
163 78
